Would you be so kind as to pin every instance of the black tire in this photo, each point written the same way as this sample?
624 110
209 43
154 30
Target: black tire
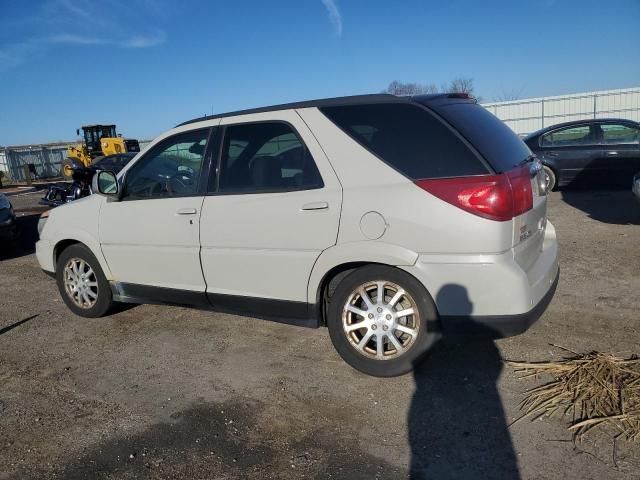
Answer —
65 167
103 301
344 343
551 178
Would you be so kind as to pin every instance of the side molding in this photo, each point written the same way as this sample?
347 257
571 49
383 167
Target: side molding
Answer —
282 311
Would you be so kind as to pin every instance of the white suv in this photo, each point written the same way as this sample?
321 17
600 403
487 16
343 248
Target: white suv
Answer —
383 218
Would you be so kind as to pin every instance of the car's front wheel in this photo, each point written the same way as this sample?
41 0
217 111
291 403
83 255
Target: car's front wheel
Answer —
381 320
81 283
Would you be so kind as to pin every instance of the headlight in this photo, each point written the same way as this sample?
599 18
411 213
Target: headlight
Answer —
43 219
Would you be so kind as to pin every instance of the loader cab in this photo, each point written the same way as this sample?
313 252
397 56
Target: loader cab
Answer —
94 133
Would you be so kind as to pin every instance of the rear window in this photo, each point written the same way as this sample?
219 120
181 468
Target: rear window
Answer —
408 138
496 142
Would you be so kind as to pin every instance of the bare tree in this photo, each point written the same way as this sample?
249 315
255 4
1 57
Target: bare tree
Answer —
462 85
508 95
399 88
457 85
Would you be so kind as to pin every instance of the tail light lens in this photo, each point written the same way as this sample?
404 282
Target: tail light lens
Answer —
496 197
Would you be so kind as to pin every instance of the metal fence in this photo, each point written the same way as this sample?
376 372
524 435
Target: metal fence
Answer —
528 115
47 160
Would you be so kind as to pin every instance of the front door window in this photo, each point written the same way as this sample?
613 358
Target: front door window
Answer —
172 168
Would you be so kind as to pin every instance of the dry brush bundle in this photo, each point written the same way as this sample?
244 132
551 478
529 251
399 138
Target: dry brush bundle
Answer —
597 389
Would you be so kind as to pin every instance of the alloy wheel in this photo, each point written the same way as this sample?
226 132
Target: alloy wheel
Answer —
80 283
381 320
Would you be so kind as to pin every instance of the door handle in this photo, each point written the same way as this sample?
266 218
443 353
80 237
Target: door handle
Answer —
315 206
551 154
187 211
612 154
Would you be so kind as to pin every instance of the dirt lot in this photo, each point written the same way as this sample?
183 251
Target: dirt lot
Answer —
162 392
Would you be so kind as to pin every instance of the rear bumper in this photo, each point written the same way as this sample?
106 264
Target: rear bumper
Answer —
490 293
499 326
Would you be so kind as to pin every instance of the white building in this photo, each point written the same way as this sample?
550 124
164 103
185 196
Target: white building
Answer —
531 114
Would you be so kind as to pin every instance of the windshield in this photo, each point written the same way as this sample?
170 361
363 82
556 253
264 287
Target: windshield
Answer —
108 132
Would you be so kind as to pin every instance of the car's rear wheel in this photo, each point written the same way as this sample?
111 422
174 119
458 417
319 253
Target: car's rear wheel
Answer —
81 282
381 320
550 177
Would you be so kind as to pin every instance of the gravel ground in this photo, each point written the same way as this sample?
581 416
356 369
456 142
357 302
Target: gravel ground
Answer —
164 392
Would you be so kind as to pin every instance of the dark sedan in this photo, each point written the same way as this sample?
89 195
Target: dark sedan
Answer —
605 151
7 220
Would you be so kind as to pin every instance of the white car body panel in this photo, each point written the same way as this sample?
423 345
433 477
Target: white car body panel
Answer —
77 221
415 219
364 251
249 240
148 242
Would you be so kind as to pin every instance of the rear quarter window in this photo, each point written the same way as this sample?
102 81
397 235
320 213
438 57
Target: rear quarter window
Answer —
409 139
495 141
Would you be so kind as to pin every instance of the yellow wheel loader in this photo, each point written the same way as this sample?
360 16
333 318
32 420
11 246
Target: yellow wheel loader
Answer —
99 140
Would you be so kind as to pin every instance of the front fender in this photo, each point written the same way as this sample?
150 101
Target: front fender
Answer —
76 221
85 238
354 252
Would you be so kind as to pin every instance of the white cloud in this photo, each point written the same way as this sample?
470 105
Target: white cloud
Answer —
334 15
73 8
14 54
91 23
72 39
144 41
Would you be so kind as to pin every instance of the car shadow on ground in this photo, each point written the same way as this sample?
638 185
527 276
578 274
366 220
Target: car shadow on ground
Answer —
456 422
616 207
27 236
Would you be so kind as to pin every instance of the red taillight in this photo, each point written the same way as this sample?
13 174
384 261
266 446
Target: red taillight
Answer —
496 197
520 179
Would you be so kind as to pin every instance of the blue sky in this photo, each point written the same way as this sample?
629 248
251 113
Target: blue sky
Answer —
147 65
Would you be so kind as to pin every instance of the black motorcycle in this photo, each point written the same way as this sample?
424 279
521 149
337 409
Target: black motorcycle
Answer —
80 186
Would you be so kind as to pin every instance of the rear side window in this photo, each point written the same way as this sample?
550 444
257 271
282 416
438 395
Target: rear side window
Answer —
266 157
613 134
569 137
408 138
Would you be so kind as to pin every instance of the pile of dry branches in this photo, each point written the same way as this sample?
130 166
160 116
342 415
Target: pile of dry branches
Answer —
597 389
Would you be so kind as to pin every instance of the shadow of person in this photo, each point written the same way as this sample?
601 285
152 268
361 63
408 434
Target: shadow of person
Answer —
457 426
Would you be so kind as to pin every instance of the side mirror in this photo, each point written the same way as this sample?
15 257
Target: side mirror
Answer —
77 132
105 183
